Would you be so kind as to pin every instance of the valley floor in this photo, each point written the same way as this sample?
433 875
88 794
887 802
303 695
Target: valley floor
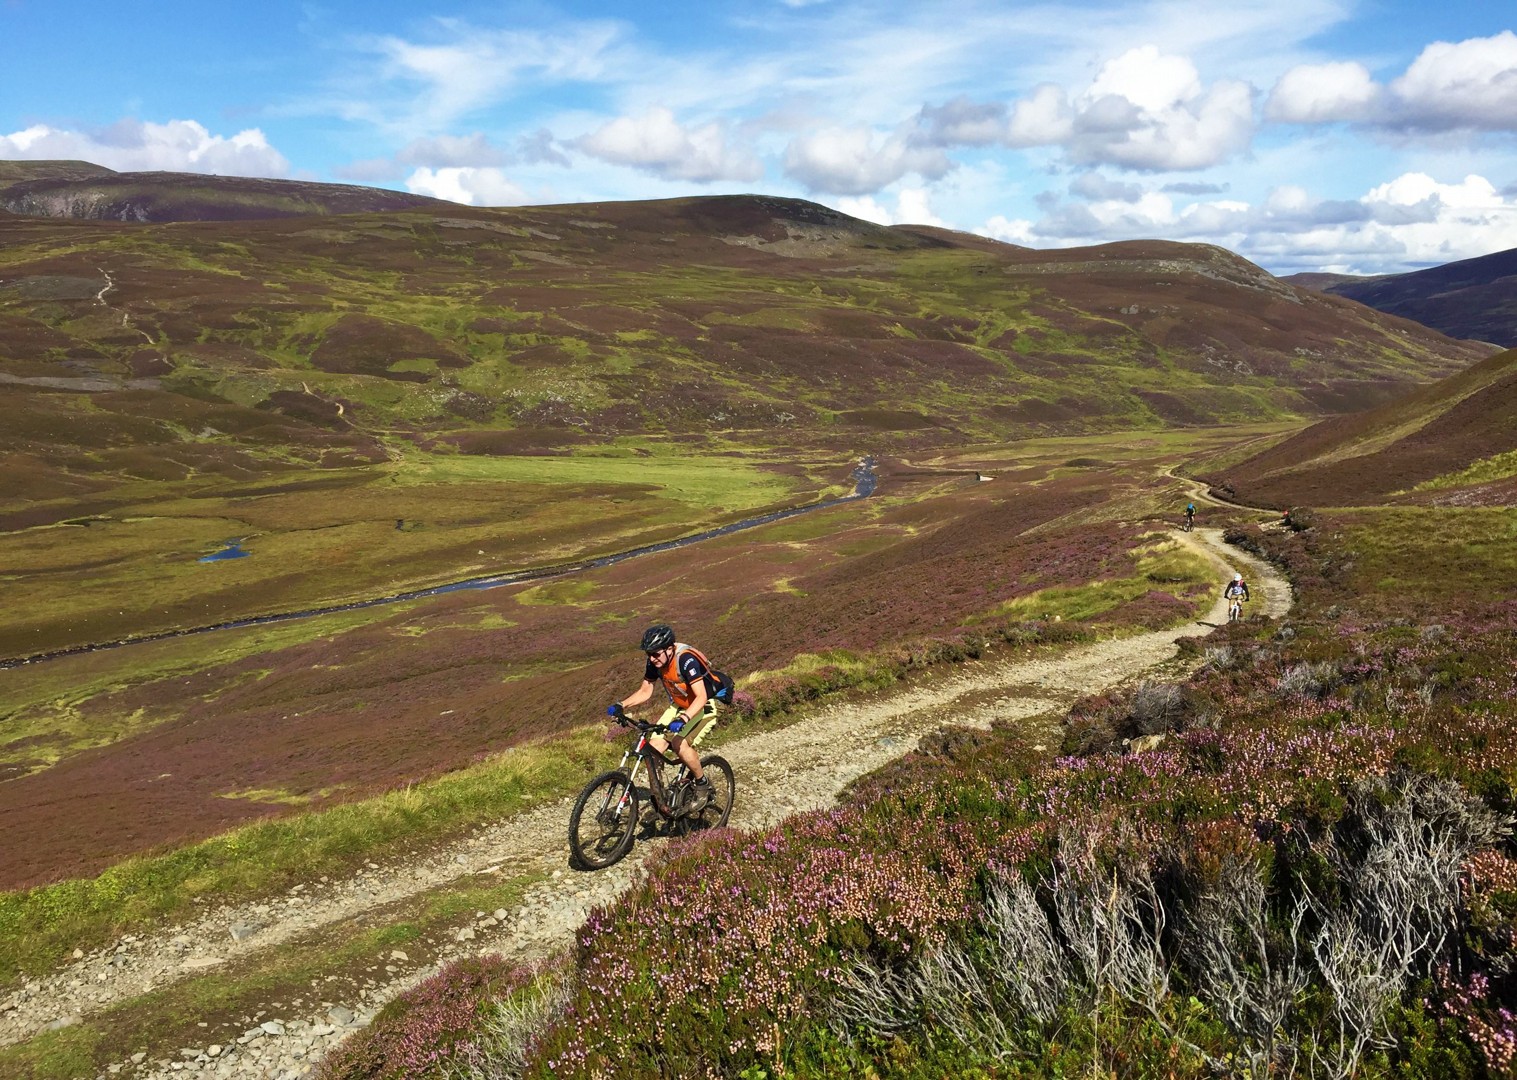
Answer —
782 772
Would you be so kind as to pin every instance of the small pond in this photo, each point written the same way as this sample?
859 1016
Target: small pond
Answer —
232 550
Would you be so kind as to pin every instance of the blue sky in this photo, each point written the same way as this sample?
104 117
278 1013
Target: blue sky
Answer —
1346 135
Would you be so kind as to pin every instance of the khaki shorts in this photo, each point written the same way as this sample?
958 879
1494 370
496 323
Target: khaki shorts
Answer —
696 729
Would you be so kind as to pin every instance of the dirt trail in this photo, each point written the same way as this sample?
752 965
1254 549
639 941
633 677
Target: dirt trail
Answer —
798 768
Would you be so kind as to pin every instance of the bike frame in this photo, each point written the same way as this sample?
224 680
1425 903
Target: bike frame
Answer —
644 753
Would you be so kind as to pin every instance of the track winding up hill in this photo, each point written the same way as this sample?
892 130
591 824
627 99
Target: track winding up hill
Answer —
781 772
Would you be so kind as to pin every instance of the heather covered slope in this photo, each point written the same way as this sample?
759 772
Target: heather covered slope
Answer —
1471 298
77 189
386 401
1449 443
495 331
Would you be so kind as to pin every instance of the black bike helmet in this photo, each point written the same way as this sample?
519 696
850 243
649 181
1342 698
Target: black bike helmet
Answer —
657 638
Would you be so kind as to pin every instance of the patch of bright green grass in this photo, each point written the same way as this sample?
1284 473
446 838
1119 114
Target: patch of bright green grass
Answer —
1167 566
697 480
1483 471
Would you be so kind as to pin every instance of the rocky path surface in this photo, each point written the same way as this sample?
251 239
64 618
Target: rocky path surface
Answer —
798 768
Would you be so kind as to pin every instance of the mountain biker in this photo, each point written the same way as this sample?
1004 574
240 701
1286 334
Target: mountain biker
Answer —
1237 592
1190 515
683 672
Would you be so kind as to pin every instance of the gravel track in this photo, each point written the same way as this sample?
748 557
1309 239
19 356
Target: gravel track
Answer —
798 768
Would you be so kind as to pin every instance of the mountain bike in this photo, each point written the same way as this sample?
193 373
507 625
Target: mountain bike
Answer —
605 818
1189 522
1234 608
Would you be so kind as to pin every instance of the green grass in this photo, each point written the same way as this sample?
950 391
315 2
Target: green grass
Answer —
1484 471
1166 565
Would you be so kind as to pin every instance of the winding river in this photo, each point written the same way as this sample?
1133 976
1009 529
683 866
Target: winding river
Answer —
863 477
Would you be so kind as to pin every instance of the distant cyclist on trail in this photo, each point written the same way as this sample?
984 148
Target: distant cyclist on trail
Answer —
1190 515
685 675
1236 592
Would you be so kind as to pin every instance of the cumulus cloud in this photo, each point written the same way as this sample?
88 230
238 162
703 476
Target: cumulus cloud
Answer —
1466 85
471 186
913 206
1321 93
1144 110
856 161
1469 84
1186 187
138 146
1043 118
961 122
657 143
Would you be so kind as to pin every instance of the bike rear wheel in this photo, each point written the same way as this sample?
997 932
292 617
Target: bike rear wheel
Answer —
603 820
714 814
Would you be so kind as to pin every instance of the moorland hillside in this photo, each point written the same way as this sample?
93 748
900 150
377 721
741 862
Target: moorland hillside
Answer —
78 189
1474 298
386 401
1452 441
229 346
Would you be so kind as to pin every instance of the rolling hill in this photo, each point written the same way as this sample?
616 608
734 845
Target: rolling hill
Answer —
1475 299
164 350
79 189
1450 443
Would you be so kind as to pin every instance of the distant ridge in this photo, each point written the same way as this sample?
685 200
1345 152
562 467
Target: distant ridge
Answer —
78 189
1474 299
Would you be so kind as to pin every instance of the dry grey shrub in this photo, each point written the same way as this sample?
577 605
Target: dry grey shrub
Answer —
1309 680
1248 970
1397 868
1395 861
1025 949
1110 919
943 993
1219 658
503 1039
1155 707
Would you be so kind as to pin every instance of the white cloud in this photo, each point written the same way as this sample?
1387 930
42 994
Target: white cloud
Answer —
657 143
856 161
1042 119
1463 86
1009 230
472 186
136 146
1322 93
1471 84
913 206
1144 110
426 86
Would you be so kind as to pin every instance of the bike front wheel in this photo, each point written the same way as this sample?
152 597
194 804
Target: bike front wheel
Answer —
715 813
603 820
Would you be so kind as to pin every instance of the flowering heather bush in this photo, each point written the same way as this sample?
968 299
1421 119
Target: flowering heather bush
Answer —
430 1031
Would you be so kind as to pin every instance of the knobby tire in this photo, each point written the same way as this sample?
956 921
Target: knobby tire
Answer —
603 821
719 809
